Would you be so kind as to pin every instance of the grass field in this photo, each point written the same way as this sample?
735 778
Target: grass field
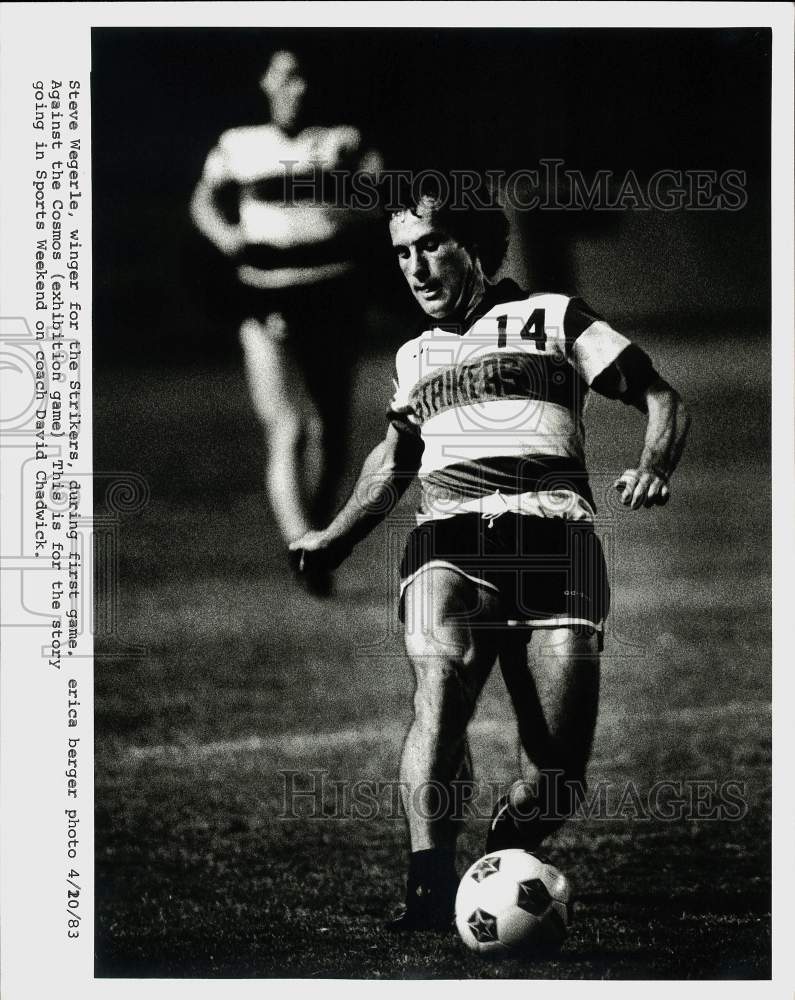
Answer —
243 678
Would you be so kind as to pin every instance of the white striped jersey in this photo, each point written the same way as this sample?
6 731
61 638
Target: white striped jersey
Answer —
292 238
499 405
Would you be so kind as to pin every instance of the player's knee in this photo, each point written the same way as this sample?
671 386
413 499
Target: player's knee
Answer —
262 338
314 431
425 646
291 430
576 643
442 701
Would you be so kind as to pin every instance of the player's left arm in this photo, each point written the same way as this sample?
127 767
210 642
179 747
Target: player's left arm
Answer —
647 484
618 369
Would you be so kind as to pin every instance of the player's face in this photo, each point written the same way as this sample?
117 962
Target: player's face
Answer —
437 267
285 88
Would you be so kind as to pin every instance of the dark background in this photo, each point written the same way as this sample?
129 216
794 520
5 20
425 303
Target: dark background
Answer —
498 99
215 673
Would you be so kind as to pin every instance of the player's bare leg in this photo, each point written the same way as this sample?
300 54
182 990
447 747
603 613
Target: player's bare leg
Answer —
451 657
294 432
463 793
555 698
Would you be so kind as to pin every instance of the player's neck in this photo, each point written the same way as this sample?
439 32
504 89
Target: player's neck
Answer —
290 131
474 290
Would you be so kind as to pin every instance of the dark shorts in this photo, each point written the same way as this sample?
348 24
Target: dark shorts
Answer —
546 572
327 315
318 330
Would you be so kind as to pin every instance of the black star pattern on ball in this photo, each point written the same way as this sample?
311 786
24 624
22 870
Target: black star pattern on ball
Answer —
483 926
533 896
485 867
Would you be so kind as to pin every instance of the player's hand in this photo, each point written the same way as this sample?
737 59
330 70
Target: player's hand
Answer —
402 407
406 411
642 488
230 242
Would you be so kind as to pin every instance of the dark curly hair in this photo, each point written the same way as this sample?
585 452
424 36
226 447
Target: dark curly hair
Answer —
464 204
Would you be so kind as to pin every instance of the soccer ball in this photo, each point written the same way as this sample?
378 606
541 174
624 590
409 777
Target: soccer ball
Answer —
511 901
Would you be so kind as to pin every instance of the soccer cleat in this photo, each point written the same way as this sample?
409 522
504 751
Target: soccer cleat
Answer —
318 583
315 579
425 911
430 892
507 831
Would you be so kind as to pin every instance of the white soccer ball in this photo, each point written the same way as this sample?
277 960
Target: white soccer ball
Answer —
511 901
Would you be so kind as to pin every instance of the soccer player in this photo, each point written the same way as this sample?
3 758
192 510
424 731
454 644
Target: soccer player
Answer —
259 201
488 411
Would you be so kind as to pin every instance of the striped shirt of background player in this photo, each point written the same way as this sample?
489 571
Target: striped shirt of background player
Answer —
274 188
499 407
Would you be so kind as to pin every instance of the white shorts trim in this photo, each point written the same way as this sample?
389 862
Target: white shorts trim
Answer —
542 503
290 277
555 622
441 564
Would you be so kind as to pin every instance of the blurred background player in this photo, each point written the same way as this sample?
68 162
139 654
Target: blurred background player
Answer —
260 202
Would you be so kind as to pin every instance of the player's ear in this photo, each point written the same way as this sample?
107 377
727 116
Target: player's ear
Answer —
474 253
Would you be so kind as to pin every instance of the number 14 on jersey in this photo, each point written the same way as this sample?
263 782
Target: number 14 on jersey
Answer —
533 330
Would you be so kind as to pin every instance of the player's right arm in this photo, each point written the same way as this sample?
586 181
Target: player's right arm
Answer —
205 210
386 475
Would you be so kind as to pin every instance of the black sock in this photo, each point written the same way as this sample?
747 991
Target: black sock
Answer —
432 874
